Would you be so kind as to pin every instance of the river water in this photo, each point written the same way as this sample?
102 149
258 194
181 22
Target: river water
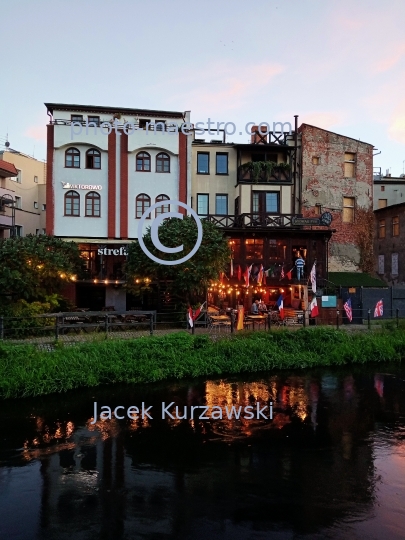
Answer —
329 464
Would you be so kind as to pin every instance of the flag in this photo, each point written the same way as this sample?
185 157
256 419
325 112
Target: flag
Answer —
280 304
314 307
282 273
241 313
260 275
239 272
312 277
289 274
190 317
198 311
348 308
379 309
231 267
264 278
247 274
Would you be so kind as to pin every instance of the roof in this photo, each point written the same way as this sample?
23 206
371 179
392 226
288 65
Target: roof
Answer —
334 133
111 110
354 279
398 206
7 169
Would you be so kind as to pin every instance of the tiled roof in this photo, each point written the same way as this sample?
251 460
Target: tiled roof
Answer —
7 169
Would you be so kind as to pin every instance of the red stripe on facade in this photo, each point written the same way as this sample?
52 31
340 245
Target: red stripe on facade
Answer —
112 168
50 197
124 187
182 170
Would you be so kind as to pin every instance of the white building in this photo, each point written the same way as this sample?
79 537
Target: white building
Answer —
388 190
105 167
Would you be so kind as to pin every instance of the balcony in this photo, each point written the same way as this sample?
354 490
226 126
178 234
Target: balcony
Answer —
262 172
243 221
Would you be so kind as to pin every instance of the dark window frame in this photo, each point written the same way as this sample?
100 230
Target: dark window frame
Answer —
162 159
227 163
92 196
395 225
143 198
143 156
77 117
72 152
227 204
93 120
72 196
91 154
263 202
205 154
164 208
382 226
208 203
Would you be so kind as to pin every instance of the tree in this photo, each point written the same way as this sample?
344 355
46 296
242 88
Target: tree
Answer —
34 267
187 281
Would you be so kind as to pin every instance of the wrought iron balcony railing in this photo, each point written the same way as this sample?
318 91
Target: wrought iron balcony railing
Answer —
242 221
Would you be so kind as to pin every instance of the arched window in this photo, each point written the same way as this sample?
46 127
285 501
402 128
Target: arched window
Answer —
165 207
143 162
93 204
72 158
72 203
93 159
141 205
162 163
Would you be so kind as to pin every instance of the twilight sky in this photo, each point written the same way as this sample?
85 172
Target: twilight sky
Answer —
338 64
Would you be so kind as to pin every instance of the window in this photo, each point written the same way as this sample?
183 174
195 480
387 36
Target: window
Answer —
382 203
36 179
348 210
254 248
37 231
141 205
92 204
382 188
76 118
35 204
318 209
72 204
203 163
202 204
350 162
143 122
17 178
94 120
265 202
395 226
160 125
43 207
394 264
143 162
17 202
272 203
381 228
18 230
43 231
221 204
164 208
315 160
93 159
162 163
221 163
72 158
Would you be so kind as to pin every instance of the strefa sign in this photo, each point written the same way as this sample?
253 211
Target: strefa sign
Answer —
67 185
112 251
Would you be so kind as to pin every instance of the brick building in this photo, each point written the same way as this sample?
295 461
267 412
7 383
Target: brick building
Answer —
337 177
389 244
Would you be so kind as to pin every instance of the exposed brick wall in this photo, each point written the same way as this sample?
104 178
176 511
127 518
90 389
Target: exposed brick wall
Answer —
182 170
112 171
390 244
325 184
124 187
50 197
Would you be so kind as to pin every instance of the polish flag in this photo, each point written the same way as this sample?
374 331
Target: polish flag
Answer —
190 317
314 307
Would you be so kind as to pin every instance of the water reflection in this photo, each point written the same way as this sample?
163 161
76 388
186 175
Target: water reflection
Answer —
312 470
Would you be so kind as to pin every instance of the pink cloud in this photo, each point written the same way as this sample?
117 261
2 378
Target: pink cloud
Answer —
396 128
323 119
36 132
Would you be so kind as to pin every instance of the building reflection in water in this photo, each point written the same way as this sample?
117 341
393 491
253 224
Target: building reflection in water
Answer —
302 471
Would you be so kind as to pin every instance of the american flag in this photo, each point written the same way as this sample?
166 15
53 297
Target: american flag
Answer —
348 308
379 309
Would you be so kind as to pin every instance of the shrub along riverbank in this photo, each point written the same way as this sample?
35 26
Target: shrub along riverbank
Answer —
26 371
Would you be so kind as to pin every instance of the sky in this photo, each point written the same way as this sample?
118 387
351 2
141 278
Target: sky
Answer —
338 64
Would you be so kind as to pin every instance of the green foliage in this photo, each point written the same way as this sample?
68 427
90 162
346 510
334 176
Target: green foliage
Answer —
34 267
186 281
26 371
266 167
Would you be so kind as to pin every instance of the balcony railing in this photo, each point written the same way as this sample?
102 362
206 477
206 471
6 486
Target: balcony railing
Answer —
253 220
278 174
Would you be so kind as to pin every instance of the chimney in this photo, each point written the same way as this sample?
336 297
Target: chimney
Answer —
255 138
